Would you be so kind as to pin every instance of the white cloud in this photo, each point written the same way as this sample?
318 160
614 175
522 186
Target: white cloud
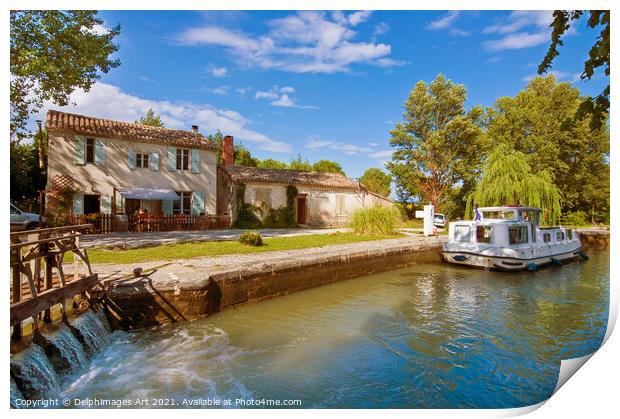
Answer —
520 19
314 143
97 29
444 21
279 97
284 101
382 154
220 90
559 75
304 42
381 29
356 18
517 41
521 29
218 71
458 32
266 95
108 101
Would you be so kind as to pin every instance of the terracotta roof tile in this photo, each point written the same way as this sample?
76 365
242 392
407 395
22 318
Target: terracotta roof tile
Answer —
88 125
291 177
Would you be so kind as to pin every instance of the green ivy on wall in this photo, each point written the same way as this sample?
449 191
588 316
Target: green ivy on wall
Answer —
283 217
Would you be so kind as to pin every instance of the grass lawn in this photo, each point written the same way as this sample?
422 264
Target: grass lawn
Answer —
197 249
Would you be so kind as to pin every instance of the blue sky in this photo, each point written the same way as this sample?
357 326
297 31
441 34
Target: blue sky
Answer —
322 84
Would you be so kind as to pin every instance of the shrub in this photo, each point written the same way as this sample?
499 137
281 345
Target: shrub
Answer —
251 238
576 218
381 221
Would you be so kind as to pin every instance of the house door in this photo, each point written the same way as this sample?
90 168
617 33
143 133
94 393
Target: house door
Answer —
301 209
92 204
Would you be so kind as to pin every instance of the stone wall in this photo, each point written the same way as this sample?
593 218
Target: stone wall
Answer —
191 289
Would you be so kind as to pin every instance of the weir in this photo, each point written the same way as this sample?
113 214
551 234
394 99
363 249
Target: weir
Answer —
41 291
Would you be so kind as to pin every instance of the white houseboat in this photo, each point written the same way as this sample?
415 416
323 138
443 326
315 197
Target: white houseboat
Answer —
510 239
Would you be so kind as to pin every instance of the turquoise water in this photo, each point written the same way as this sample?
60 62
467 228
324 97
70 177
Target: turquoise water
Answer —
428 336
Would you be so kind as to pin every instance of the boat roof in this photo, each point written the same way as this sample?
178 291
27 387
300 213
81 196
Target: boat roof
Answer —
513 208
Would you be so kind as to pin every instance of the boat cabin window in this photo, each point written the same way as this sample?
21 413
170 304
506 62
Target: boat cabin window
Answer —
517 235
546 237
461 233
483 234
559 236
569 233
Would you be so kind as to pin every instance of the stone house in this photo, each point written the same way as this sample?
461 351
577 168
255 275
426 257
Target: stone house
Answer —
130 166
323 199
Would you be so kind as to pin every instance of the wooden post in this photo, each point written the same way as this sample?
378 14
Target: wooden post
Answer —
113 212
76 261
49 262
17 295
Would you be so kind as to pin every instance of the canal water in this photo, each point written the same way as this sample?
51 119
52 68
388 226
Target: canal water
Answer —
428 336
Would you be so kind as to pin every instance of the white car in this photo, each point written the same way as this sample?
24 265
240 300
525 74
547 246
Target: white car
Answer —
21 220
439 220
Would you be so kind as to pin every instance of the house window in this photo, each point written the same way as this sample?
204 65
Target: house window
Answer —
340 207
546 237
517 235
263 198
484 234
90 150
559 236
461 233
183 205
182 159
142 160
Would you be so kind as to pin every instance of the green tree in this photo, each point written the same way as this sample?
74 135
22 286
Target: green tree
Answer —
538 122
507 179
598 56
438 144
52 53
243 157
151 118
27 178
376 180
272 164
300 164
328 166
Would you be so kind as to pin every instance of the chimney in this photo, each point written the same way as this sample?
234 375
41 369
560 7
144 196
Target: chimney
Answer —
195 129
228 151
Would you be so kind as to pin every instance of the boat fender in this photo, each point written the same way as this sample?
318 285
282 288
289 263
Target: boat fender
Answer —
556 262
460 258
532 267
584 255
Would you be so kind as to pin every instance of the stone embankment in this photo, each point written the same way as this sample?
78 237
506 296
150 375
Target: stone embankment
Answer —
188 289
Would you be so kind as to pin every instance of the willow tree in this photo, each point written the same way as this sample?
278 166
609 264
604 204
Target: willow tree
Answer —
438 144
507 179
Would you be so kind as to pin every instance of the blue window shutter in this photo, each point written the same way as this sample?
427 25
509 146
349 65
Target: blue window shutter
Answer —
99 152
198 202
172 159
131 159
195 160
106 204
166 207
154 161
79 148
78 204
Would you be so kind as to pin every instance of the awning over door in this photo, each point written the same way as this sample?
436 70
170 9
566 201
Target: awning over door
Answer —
149 194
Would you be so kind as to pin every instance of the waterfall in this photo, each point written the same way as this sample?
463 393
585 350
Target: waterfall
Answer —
93 330
15 395
64 350
34 374
35 371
